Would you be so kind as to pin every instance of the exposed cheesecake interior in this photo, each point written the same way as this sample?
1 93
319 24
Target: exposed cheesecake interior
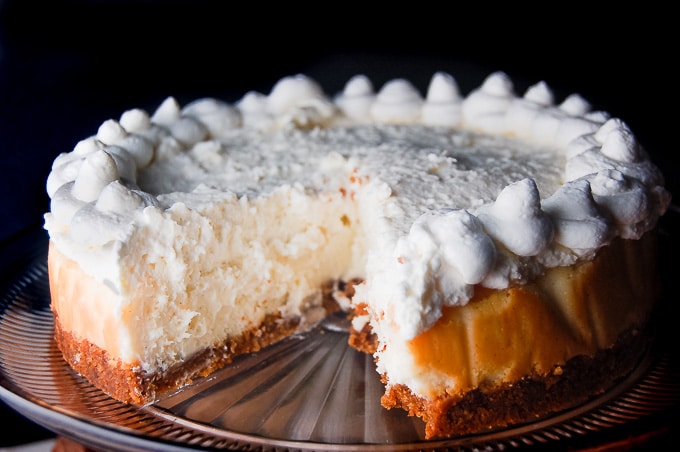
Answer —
491 234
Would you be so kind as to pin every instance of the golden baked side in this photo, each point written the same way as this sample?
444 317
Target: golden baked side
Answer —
517 354
90 344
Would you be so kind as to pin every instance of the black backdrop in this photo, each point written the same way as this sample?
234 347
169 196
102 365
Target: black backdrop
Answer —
66 66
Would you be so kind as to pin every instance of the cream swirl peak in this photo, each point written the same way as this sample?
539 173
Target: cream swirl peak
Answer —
428 216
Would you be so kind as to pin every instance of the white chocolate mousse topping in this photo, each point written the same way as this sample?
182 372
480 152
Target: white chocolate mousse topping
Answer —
255 204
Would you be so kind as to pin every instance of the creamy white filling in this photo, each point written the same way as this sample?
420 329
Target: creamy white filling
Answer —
216 270
255 204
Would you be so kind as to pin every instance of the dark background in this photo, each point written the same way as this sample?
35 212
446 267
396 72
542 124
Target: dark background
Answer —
66 66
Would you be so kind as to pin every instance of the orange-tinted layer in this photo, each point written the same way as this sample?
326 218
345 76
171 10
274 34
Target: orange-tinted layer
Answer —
502 335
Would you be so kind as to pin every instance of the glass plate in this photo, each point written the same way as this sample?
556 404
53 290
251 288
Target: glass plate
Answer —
308 392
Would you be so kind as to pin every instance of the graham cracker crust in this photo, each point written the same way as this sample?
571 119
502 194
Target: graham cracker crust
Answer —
130 384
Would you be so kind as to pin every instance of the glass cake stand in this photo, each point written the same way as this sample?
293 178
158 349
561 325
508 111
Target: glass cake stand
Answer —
308 392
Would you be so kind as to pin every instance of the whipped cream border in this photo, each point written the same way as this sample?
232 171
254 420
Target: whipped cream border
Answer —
611 188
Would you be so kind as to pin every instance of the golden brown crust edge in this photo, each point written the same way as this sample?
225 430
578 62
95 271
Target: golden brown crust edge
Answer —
129 384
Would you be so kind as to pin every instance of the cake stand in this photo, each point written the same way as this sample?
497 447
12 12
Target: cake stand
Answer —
308 392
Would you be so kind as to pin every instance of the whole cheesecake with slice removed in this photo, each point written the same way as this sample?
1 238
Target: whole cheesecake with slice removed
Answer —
495 253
